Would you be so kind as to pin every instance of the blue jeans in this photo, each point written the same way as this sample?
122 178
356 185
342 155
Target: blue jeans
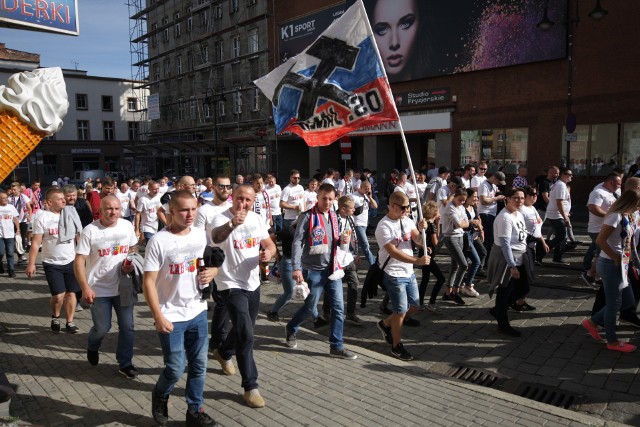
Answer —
277 223
101 316
559 240
361 233
615 298
402 291
318 281
147 236
593 251
242 307
8 247
287 285
187 342
473 256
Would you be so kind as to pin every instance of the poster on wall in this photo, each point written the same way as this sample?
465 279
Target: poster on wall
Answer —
427 38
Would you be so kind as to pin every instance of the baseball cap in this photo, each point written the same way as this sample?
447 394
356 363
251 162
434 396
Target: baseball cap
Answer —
500 177
54 183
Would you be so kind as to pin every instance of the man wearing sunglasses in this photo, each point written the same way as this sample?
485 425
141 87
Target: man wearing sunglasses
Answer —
292 198
479 177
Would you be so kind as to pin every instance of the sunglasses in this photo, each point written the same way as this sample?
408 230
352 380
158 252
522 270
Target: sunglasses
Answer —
403 207
225 187
482 169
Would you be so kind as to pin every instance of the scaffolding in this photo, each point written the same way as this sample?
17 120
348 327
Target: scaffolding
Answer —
138 51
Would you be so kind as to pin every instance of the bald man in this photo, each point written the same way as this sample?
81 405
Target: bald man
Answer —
99 265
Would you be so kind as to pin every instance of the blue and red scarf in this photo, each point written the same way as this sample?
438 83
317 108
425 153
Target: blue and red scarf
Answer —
318 240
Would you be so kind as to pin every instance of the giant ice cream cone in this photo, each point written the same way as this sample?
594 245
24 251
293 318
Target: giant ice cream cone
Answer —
32 106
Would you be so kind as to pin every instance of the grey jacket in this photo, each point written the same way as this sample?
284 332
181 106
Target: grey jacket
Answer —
498 271
69 225
300 257
131 284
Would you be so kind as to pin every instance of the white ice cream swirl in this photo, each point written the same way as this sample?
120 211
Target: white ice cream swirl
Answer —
38 97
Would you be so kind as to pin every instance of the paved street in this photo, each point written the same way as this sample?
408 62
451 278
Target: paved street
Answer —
57 386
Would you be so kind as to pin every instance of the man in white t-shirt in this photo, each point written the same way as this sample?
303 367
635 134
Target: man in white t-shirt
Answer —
172 288
274 191
186 183
347 185
558 212
261 200
291 200
363 200
99 264
394 234
244 238
438 182
126 202
479 177
57 260
8 223
488 205
147 212
600 200
310 197
467 176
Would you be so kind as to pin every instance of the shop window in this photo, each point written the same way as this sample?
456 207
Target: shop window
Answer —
593 149
498 147
630 144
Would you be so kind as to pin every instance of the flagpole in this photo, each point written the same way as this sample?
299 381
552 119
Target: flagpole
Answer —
404 139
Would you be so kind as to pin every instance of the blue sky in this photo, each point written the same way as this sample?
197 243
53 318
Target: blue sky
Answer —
102 48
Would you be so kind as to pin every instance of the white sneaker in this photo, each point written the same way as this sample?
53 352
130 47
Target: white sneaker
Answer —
469 291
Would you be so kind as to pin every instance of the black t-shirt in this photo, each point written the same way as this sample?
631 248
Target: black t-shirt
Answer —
544 186
285 236
84 212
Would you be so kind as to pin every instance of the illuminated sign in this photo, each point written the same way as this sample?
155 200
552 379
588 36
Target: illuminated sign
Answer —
57 16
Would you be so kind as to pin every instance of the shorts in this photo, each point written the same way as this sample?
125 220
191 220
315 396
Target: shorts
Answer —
61 278
402 291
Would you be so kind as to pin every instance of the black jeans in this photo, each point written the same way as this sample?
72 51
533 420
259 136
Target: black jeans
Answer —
516 289
426 275
487 226
559 240
242 307
220 320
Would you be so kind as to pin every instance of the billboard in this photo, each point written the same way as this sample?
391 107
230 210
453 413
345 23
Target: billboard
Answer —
428 38
57 16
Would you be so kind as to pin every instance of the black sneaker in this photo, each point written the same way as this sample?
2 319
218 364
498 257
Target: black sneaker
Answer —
386 332
55 325
273 317
527 307
159 409
588 280
447 297
320 322
71 328
517 307
292 342
129 371
352 317
200 418
400 352
12 274
457 299
1 268
93 357
560 262
410 321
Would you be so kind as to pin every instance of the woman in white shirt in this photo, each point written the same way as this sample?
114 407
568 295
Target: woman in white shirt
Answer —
615 241
454 221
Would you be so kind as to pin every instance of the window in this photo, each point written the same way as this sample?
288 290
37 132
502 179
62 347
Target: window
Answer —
236 46
165 25
233 6
206 110
253 40
83 130
81 101
192 109
255 99
190 62
205 54
254 69
177 28
180 109
594 149
107 103
179 65
167 68
108 131
154 35
134 130
219 46
497 147
156 72
189 24
132 104
237 102
630 144
221 106
204 19
217 12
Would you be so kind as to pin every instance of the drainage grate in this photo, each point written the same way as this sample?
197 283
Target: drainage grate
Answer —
548 395
474 375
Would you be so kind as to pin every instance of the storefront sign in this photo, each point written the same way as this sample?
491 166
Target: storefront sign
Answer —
437 122
423 97
59 16
85 151
153 106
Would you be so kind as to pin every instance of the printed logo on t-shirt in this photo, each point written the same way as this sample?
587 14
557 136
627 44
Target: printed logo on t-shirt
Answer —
7 216
246 242
188 266
53 231
115 250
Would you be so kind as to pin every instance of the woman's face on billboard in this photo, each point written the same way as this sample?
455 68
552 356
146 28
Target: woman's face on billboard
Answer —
395 25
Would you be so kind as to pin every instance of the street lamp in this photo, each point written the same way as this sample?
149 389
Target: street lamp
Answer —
212 99
545 24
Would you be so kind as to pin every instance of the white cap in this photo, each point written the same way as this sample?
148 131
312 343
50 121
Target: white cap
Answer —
54 183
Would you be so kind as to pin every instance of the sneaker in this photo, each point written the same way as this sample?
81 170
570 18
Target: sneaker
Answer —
1 268
521 307
560 262
630 319
24 258
129 371
55 325
507 329
400 352
253 399
352 317
386 332
12 274
433 308
273 317
593 330
200 418
71 328
343 353
458 299
470 291
159 409
79 307
410 321
320 322
588 280
93 357
447 297
291 339
621 346
226 365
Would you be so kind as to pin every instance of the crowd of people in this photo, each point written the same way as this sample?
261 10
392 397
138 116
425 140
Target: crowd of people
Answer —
184 243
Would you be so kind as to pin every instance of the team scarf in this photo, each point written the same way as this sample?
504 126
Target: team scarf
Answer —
626 235
318 240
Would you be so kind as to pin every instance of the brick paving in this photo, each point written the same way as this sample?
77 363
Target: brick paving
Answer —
57 386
